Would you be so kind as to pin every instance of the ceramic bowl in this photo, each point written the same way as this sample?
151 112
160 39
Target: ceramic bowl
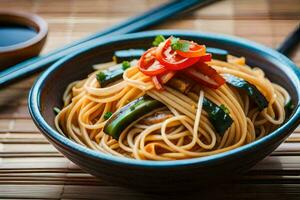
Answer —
161 175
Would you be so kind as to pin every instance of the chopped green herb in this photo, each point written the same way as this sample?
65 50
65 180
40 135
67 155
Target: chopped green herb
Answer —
176 44
254 94
101 76
224 108
158 39
289 107
174 40
107 115
56 110
125 65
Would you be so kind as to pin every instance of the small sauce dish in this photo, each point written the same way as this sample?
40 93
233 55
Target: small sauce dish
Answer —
22 36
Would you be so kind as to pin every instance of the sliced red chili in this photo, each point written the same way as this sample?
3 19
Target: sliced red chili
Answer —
171 59
205 75
206 58
162 62
156 83
195 50
149 65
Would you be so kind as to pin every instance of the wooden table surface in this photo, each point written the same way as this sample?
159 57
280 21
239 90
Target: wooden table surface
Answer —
32 168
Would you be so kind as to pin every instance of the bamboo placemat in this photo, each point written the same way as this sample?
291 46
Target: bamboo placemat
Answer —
31 168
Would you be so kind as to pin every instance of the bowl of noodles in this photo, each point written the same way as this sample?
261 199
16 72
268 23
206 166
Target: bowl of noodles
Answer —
164 110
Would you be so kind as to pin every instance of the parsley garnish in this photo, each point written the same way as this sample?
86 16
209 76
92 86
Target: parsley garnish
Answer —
289 108
290 105
224 108
101 76
180 45
107 115
125 65
158 39
56 110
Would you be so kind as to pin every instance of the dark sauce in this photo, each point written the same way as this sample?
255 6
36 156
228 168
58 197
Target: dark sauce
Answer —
14 34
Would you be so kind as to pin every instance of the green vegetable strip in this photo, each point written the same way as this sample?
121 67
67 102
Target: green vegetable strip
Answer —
219 54
56 110
106 77
120 120
218 116
254 94
127 55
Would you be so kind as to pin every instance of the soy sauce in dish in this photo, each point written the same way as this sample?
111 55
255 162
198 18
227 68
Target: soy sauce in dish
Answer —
12 34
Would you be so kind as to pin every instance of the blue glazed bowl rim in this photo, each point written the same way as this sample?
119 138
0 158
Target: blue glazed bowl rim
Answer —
35 94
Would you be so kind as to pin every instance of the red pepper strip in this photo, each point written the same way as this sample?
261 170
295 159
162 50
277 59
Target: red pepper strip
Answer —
156 83
211 72
206 58
171 59
149 65
205 75
195 50
164 78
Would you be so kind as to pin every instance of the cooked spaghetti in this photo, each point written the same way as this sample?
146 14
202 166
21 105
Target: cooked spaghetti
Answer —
158 109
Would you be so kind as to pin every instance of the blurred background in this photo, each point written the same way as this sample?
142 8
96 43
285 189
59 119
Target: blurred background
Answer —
264 21
37 170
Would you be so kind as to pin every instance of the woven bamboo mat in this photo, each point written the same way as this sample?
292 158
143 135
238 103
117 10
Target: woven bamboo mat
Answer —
31 168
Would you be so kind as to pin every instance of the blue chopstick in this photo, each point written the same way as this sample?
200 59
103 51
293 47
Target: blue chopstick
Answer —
140 22
288 45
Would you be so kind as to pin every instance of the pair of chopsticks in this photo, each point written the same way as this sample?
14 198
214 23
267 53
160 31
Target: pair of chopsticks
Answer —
289 44
134 24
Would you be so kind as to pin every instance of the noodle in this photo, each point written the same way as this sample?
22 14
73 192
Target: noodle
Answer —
187 131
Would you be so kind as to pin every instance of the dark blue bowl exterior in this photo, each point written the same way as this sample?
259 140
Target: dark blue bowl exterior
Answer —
169 175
